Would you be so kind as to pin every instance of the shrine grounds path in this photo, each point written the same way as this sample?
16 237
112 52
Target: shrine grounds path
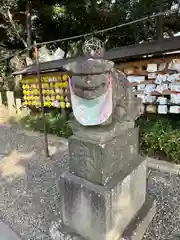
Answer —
29 200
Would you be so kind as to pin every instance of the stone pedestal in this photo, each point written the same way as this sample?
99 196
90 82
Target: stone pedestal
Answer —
99 160
104 192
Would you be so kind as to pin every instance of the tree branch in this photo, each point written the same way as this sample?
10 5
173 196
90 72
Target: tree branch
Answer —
2 45
14 28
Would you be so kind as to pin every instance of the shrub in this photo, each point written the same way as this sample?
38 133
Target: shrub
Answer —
56 124
160 137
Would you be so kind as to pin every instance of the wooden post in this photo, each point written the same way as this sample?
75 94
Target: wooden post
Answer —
64 113
18 105
42 100
11 103
1 99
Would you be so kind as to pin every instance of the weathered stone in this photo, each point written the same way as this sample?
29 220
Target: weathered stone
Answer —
90 80
62 232
6 233
102 213
99 160
134 231
137 227
102 132
105 188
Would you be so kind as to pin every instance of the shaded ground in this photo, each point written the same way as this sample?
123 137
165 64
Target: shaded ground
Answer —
29 200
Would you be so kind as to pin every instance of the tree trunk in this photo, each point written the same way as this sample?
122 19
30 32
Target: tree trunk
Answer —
160 23
28 23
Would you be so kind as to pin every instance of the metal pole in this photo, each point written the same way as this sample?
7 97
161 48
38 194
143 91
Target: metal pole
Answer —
41 99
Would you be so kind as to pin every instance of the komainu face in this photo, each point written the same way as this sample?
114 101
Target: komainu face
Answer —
90 77
90 86
90 80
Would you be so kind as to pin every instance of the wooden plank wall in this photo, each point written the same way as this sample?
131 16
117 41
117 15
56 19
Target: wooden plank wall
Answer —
139 68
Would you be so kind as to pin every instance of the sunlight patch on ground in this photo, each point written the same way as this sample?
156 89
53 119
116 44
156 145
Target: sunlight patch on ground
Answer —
14 164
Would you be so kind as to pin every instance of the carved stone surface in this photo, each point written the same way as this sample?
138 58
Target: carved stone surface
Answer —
90 80
98 161
100 213
102 132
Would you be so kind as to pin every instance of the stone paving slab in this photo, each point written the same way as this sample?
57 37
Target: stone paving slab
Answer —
6 233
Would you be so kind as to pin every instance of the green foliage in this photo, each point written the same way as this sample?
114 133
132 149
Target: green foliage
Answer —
53 19
60 19
55 123
160 137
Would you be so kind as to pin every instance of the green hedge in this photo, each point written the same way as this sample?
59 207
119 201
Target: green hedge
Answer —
56 124
160 137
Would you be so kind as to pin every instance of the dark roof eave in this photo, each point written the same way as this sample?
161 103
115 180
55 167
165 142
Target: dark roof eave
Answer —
144 49
116 54
26 72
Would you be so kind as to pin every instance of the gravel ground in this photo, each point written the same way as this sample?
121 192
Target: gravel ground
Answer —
165 188
29 201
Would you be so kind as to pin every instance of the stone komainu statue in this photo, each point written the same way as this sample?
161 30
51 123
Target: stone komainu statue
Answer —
101 93
104 192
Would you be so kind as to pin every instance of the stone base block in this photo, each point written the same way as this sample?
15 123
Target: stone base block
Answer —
138 226
134 231
99 160
102 213
6 233
59 231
